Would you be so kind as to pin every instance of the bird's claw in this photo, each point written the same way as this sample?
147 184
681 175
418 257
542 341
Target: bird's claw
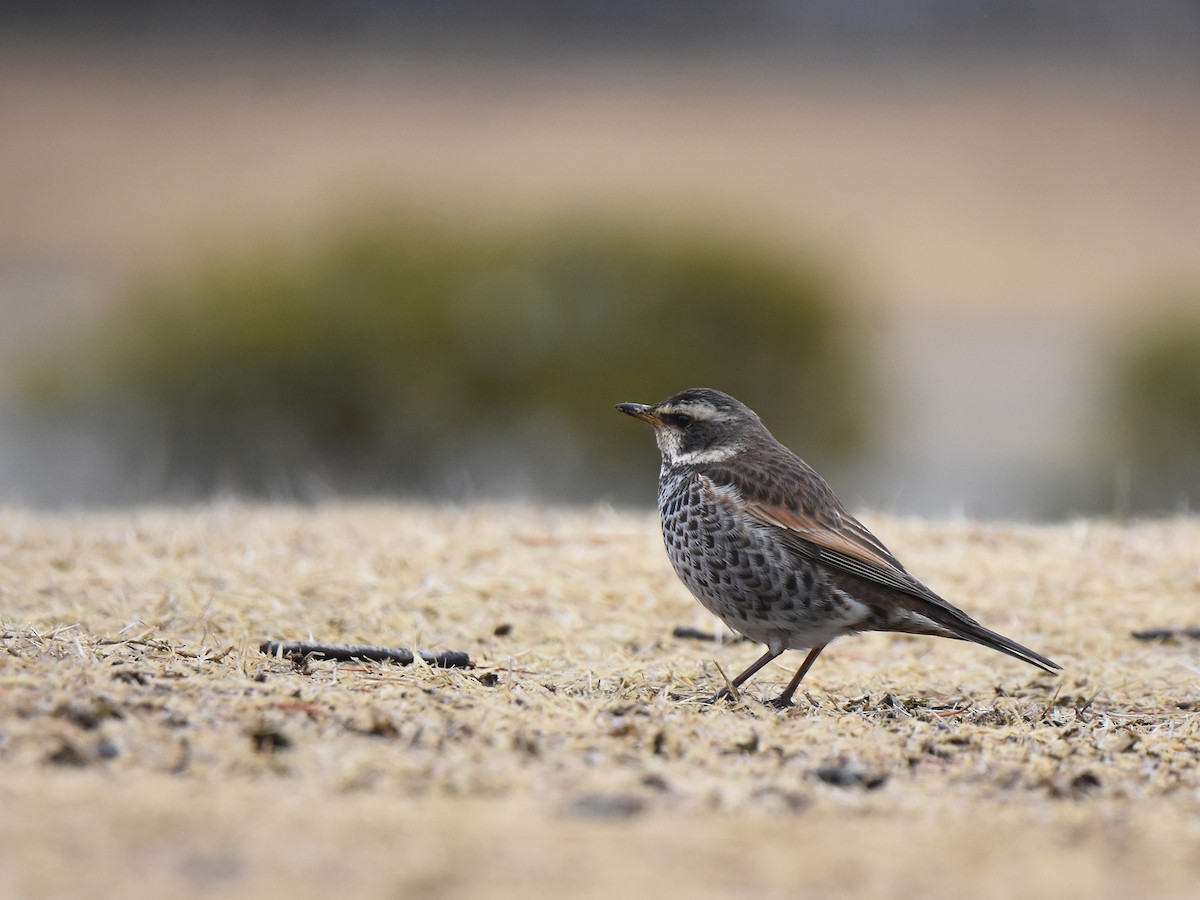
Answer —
724 694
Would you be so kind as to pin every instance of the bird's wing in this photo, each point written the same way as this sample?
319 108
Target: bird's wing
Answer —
792 498
799 504
807 517
837 538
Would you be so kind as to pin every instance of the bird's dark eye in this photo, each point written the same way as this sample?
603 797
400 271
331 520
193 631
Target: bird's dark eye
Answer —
678 420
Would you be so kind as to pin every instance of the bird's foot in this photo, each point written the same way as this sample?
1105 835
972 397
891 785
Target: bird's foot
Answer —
723 695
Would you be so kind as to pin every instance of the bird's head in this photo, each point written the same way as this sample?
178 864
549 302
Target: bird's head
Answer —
698 426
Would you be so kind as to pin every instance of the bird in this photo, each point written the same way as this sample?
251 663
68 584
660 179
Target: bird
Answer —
763 543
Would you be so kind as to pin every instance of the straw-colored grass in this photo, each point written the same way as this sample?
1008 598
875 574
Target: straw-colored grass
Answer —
147 748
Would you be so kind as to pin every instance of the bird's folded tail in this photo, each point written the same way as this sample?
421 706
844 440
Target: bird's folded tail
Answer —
964 628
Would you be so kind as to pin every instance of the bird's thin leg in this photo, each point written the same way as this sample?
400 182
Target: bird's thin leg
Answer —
784 700
745 676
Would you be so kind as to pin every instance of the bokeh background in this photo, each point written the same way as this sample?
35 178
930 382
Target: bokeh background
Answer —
299 250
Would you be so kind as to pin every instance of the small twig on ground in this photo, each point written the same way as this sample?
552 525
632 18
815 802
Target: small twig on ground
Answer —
447 659
692 634
697 634
1162 634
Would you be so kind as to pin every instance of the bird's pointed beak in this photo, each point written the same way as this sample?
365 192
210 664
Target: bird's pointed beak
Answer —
640 411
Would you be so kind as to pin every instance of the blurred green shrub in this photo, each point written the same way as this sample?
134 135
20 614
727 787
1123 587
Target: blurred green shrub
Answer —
402 357
1156 407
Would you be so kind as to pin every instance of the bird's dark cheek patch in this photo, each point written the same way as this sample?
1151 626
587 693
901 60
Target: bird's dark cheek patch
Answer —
696 438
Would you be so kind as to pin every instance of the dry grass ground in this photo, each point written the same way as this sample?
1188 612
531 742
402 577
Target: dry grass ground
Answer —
147 748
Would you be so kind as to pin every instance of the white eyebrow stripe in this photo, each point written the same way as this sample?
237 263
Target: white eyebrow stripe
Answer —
697 411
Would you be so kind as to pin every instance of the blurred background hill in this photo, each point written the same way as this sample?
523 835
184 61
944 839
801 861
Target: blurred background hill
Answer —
968 235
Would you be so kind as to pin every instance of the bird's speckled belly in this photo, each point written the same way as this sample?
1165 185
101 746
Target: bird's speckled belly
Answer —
740 573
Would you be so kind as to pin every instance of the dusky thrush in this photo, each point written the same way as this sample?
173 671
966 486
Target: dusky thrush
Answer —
762 542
